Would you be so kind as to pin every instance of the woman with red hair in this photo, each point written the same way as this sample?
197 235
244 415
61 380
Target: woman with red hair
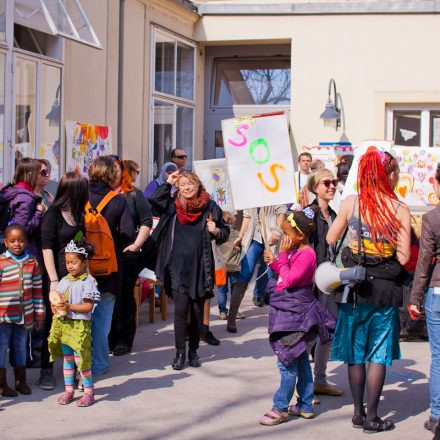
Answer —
368 324
123 327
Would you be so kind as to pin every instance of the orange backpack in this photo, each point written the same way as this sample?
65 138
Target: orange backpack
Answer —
99 234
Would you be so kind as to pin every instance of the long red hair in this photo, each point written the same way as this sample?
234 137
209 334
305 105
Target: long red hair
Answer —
126 185
375 192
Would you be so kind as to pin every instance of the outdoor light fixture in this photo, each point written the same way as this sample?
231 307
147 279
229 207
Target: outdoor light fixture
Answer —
331 115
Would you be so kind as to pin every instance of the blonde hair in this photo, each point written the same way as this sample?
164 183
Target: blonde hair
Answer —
193 178
315 177
102 170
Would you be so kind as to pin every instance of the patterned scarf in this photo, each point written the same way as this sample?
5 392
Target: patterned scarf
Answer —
188 211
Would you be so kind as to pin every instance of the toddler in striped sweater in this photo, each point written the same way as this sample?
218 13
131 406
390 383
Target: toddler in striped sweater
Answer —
21 306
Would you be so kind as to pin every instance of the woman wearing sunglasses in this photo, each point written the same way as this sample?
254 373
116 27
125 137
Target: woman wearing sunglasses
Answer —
323 184
42 181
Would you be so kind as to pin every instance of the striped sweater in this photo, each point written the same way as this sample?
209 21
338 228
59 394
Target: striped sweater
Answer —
20 291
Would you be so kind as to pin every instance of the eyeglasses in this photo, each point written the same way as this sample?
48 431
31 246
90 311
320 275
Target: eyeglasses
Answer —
329 182
44 173
137 172
182 156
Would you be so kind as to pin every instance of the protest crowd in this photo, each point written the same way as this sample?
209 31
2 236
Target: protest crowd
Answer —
71 261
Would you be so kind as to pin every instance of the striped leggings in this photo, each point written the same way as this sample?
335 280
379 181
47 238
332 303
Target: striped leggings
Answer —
71 358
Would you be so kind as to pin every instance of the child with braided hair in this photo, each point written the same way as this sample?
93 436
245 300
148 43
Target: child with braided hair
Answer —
368 325
296 318
70 335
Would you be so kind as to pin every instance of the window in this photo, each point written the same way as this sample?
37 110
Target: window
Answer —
414 126
251 82
172 99
2 113
3 20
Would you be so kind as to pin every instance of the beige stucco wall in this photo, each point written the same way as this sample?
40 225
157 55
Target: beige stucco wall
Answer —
374 60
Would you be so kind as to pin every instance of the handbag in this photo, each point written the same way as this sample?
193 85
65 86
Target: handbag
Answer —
219 263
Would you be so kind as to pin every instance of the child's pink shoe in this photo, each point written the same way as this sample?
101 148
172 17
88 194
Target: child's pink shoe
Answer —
65 398
86 400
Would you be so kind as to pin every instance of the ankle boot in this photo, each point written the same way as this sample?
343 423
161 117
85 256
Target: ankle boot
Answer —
4 389
20 380
237 295
179 360
194 360
207 336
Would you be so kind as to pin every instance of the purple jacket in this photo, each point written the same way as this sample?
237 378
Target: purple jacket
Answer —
23 209
296 314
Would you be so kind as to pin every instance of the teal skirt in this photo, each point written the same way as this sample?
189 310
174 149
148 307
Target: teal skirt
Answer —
367 333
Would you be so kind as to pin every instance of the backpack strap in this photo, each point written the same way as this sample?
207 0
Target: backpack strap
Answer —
103 203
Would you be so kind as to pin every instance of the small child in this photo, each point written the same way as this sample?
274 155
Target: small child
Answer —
232 260
70 335
21 306
295 318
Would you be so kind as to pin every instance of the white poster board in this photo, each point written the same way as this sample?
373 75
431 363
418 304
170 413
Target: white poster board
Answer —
417 170
259 159
329 154
351 183
214 175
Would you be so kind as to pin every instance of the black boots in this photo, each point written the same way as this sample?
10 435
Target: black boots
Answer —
207 336
20 380
5 390
237 295
179 360
194 360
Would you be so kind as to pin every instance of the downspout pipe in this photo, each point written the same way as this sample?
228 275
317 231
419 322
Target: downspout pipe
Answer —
121 74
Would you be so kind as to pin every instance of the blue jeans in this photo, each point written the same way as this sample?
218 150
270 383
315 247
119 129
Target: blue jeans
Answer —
15 336
231 279
299 369
262 280
432 309
101 324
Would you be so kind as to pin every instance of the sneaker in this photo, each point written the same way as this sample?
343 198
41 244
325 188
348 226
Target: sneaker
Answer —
295 411
258 302
328 389
46 380
223 316
240 315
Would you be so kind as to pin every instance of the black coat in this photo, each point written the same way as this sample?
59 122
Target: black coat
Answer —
158 248
318 239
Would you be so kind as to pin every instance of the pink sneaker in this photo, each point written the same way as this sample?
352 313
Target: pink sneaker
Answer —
65 398
86 400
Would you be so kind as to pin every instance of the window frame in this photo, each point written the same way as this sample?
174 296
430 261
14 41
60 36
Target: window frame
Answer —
166 97
425 129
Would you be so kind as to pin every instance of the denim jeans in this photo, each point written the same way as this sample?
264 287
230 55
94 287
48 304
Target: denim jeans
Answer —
101 324
299 371
263 275
432 309
231 279
15 336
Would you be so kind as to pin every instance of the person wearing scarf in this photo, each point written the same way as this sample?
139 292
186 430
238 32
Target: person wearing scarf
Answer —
184 260
167 169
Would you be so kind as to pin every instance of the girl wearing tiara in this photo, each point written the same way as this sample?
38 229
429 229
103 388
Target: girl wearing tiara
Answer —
70 334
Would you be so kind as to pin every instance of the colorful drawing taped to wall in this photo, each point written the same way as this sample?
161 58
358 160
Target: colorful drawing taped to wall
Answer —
214 175
84 143
259 160
351 183
417 170
329 154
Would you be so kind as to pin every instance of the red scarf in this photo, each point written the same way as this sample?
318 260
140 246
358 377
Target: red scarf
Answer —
192 209
25 186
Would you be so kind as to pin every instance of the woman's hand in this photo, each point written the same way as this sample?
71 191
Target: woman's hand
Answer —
132 248
237 243
212 228
53 285
172 178
268 256
286 244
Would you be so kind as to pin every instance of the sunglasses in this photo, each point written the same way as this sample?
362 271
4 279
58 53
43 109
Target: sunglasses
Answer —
329 182
182 156
137 172
44 173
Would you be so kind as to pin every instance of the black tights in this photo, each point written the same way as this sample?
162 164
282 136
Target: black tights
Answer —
374 379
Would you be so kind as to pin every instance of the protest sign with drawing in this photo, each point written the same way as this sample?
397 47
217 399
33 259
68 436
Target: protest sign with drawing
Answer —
259 160
214 175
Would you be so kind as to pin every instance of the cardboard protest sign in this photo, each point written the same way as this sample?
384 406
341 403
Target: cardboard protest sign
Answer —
417 171
328 154
214 175
351 183
259 159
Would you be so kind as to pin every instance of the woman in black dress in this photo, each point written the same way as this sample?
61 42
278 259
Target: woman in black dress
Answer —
184 261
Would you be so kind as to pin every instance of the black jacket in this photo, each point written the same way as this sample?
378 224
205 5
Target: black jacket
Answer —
157 250
318 240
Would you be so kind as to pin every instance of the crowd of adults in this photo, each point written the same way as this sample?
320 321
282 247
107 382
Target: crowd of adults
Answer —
372 229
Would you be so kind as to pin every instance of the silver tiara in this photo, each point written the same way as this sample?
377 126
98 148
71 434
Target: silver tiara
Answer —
72 247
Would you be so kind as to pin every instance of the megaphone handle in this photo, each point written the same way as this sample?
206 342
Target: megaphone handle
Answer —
346 293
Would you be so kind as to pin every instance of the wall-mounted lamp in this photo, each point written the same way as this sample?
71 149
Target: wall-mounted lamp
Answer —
331 115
